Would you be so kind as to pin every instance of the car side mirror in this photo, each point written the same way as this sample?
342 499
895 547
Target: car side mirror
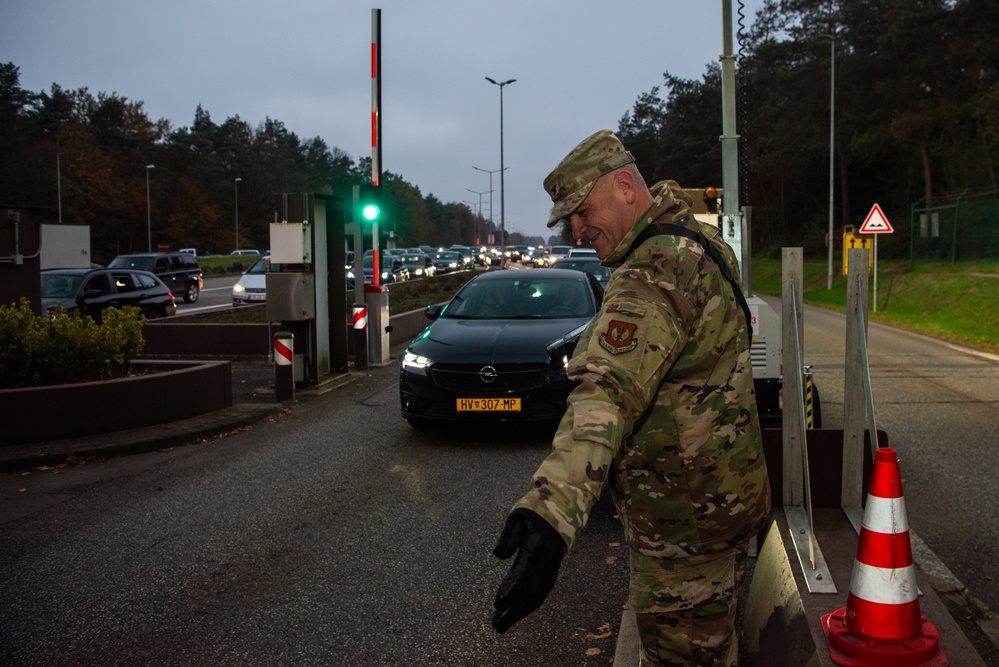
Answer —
433 311
561 349
91 294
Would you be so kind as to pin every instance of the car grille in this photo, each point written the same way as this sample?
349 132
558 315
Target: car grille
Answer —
509 378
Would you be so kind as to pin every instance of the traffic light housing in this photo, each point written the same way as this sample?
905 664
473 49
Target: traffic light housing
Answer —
369 209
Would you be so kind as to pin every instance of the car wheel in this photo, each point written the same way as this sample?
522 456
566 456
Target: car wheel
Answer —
192 293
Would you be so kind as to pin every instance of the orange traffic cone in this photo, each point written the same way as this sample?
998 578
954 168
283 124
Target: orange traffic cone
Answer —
881 623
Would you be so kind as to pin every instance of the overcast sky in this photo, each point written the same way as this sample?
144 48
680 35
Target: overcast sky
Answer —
579 66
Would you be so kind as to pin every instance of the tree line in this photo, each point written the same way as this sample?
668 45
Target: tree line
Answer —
89 156
916 123
916 115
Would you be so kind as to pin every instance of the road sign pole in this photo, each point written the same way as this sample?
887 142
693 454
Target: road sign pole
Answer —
876 272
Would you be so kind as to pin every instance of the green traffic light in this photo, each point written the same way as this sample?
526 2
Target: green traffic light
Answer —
370 212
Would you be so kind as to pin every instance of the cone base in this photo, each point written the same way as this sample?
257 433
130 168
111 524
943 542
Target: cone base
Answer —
853 650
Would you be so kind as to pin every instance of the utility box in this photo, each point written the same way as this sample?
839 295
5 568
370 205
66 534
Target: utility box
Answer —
65 247
376 298
290 296
291 243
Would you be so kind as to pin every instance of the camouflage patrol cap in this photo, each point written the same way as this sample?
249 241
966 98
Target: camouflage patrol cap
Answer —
573 178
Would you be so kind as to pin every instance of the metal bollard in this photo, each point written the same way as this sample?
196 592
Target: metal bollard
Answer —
360 336
284 366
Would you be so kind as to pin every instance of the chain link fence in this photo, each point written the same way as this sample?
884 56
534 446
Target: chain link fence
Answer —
965 228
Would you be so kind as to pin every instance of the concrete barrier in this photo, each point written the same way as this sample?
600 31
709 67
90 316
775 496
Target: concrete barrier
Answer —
160 392
181 340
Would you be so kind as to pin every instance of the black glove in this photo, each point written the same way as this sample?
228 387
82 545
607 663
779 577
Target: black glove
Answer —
539 550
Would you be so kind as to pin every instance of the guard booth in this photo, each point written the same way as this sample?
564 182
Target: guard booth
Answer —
303 292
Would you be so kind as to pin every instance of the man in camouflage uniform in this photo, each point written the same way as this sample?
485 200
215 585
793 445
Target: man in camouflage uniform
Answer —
664 412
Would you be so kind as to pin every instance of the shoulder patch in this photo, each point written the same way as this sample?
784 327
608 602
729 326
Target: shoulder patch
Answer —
619 337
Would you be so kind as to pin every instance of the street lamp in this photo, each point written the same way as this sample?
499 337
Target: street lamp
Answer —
502 168
149 216
478 236
491 209
236 185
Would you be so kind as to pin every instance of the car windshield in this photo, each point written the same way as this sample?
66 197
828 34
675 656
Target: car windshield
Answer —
593 267
515 298
413 259
141 263
59 285
447 255
260 266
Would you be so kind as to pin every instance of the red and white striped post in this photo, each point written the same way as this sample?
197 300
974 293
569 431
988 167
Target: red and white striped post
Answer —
284 366
360 336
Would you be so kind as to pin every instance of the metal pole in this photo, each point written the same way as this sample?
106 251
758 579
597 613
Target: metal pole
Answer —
236 185
832 136
479 215
149 216
59 185
491 209
502 167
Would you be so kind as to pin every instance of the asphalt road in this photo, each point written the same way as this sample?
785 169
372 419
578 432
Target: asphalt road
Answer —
215 295
335 534
332 535
939 405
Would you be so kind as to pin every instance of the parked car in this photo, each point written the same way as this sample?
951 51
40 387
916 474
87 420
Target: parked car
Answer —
92 291
245 253
590 265
179 271
252 285
485 356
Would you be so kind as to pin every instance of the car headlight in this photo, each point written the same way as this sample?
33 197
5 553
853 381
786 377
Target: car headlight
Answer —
238 289
350 274
453 265
415 363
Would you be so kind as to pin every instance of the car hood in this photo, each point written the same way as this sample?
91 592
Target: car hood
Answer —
254 281
492 341
65 304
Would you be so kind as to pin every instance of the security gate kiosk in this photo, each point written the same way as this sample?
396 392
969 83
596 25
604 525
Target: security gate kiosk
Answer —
303 293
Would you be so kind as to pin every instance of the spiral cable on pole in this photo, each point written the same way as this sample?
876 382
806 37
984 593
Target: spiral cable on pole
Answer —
741 112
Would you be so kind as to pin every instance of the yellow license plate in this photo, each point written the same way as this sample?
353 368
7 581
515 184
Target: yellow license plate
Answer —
488 405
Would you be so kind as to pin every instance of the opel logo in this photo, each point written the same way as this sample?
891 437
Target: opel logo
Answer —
488 374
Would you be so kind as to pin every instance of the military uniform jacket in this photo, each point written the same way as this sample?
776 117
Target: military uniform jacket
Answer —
665 409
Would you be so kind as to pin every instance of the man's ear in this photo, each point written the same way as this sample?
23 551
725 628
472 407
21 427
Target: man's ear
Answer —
624 183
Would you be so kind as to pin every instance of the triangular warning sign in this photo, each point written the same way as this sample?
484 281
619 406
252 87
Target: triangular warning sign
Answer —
876 222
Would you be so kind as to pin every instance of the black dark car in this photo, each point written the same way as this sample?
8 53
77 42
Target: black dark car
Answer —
419 265
486 357
179 271
590 265
446 261
91 291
